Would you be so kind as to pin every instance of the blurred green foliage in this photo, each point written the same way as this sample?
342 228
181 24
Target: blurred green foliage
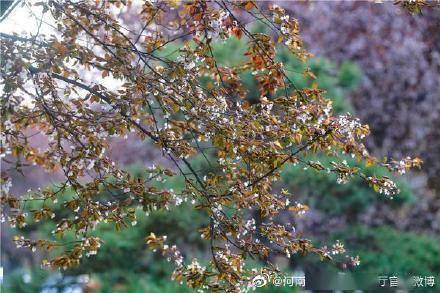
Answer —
123 264
25 280
320 191
387 251
336 81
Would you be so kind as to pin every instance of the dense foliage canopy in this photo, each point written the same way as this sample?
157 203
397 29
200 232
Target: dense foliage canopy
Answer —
190 107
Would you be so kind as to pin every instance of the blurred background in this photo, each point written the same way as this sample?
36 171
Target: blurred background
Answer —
375 61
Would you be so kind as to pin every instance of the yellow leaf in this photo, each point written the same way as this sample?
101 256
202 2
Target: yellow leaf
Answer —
278 144
369 163
376 187
249 5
